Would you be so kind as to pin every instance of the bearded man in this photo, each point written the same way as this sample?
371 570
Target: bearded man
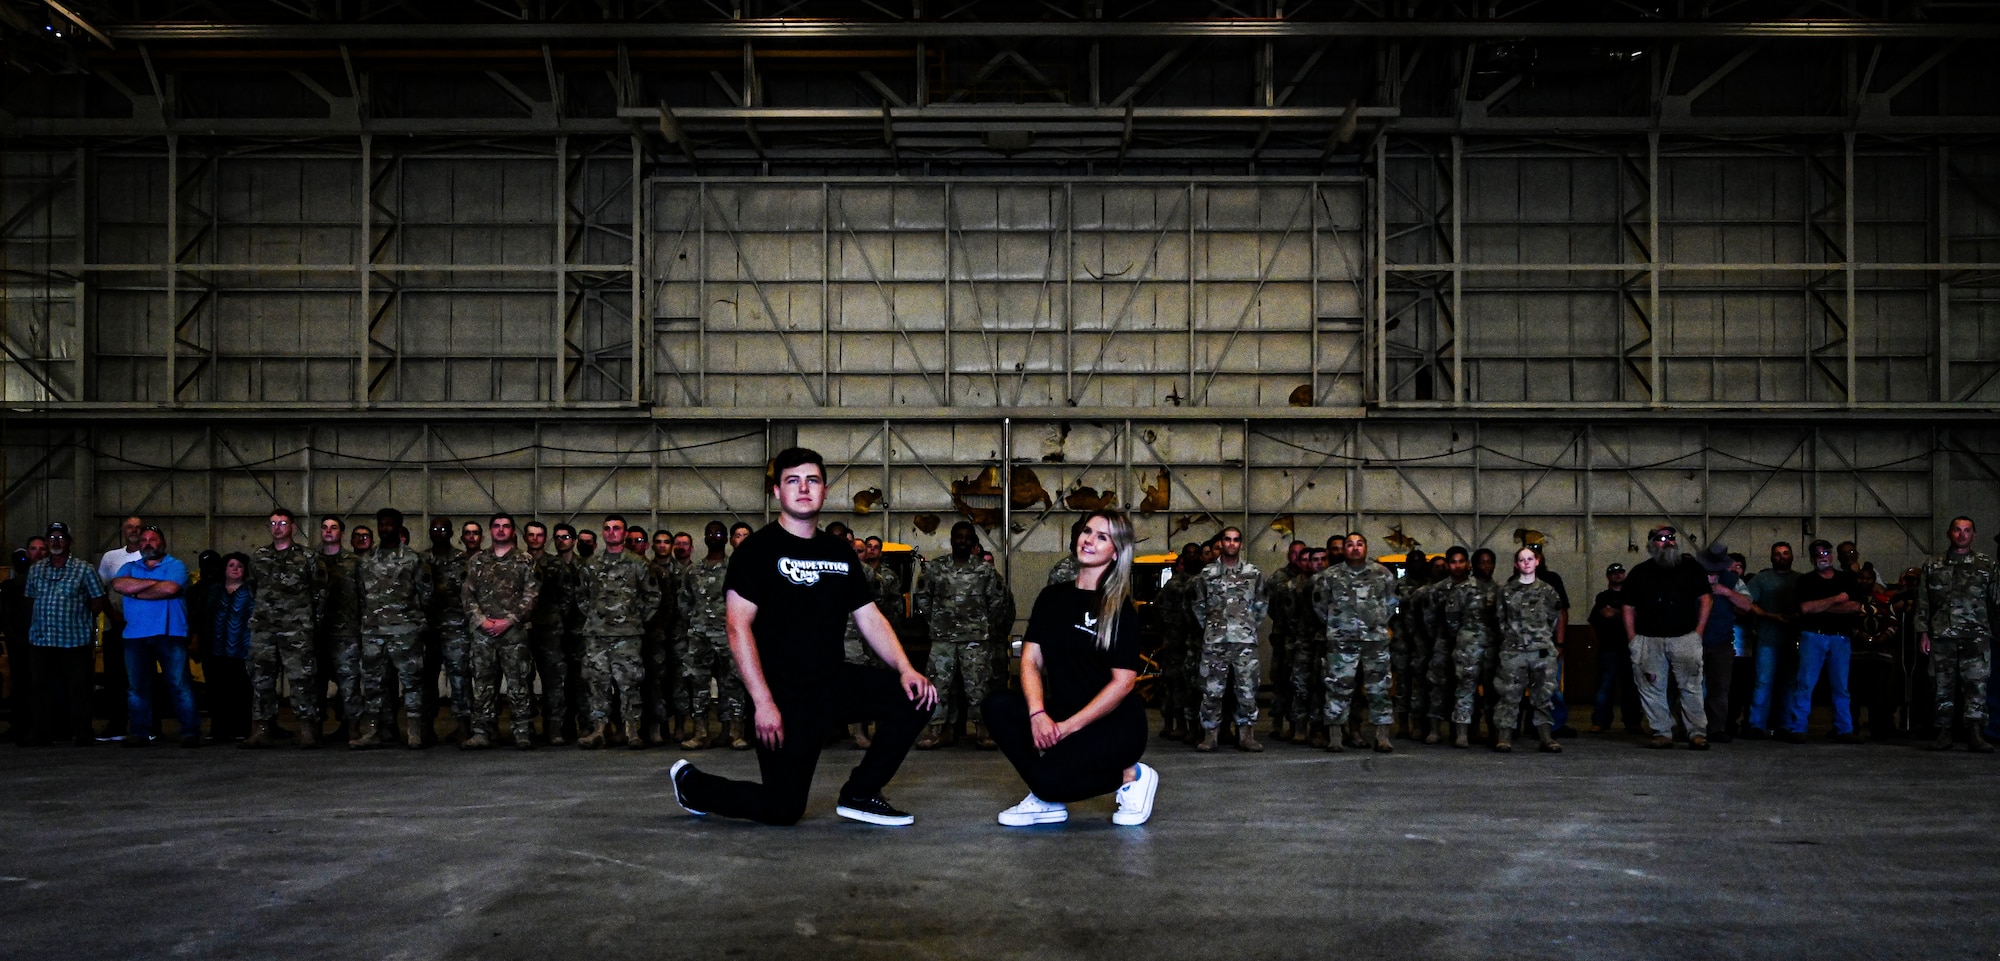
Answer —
1667 599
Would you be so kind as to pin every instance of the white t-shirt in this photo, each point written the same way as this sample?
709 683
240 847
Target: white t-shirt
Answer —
108 567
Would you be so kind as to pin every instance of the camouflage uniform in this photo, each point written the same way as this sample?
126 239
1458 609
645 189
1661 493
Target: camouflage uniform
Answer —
395 590
448 627
290 584
1279 599
1308 655
1179 655
889 600
1064 572
703 648
1440 680
1955 605
656 651
615 594
339 633
1409 652
547 630
1527 615
501 585
1469 610
966 605
1228 602
1357 604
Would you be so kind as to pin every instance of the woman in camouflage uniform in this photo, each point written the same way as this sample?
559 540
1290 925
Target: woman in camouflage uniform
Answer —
1529 608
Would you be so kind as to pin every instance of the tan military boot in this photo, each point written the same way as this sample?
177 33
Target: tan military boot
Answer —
309 733
1433 731
413 730
933 736
593 740
1548 739
1461 735
985 740
1502 742
860 736
477 742
258 737
1383 745
1246 739
1402 726
697 737
1319 738
1209 737
1943 740
1976 740
366 737
737 742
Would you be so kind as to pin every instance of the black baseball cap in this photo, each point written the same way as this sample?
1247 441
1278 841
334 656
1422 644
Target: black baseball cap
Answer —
1615 569
58 527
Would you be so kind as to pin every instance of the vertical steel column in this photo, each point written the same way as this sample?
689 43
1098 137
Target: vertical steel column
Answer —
701 298
653 489
306 485
173 256
559 314
1655 323
1245 451
1312 314
1943 321
1126 483
1193 341
639 377
1357 479
950 356
888 490
1458 324
1007 498
362 250
1587 548
1848 255
1069 292
826 290
80 290
1380 214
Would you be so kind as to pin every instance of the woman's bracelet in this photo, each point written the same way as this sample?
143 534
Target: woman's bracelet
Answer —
1032 716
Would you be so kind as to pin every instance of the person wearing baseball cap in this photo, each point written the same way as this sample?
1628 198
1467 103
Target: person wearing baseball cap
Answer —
68 596
1614 656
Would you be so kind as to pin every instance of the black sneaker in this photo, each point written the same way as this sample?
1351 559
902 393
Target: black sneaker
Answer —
874 810
674 774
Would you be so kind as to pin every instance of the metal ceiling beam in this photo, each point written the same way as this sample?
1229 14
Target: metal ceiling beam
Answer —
767 31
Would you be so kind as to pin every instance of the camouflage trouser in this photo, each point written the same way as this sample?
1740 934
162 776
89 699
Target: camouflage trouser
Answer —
545 643
1531 671
613 668
733 702
1281 680
655 677
1175 702
1410 662
379 653
579 686
695 654
855 649
1440 679
287 654
971 664
1472 662
344 663
1962 665
1220 657
498 661
457 650
1308 673
1352 657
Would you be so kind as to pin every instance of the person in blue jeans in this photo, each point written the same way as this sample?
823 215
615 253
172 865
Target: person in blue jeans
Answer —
156 630
1829 614
1774 609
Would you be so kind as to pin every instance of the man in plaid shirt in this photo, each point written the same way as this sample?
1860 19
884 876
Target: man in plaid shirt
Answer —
68 596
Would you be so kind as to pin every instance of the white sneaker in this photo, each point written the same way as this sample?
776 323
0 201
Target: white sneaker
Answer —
1135 799
1033 810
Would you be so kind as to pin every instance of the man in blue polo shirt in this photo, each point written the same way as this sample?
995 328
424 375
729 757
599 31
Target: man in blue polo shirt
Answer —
68 597
156 630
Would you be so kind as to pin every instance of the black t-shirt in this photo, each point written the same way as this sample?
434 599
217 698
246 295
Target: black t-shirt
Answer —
1074 669
1666 601
1556 581
1812 587
1610 630
805 591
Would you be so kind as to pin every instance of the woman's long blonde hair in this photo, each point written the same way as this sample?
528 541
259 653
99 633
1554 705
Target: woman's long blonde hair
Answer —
1116 584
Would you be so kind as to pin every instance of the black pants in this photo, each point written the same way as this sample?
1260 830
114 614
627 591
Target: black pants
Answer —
1086 764
1877 685
228 684
852 694
113 707
1718 669
20 687
63 671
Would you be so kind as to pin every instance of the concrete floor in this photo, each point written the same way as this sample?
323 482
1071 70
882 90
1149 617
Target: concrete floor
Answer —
1607 851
